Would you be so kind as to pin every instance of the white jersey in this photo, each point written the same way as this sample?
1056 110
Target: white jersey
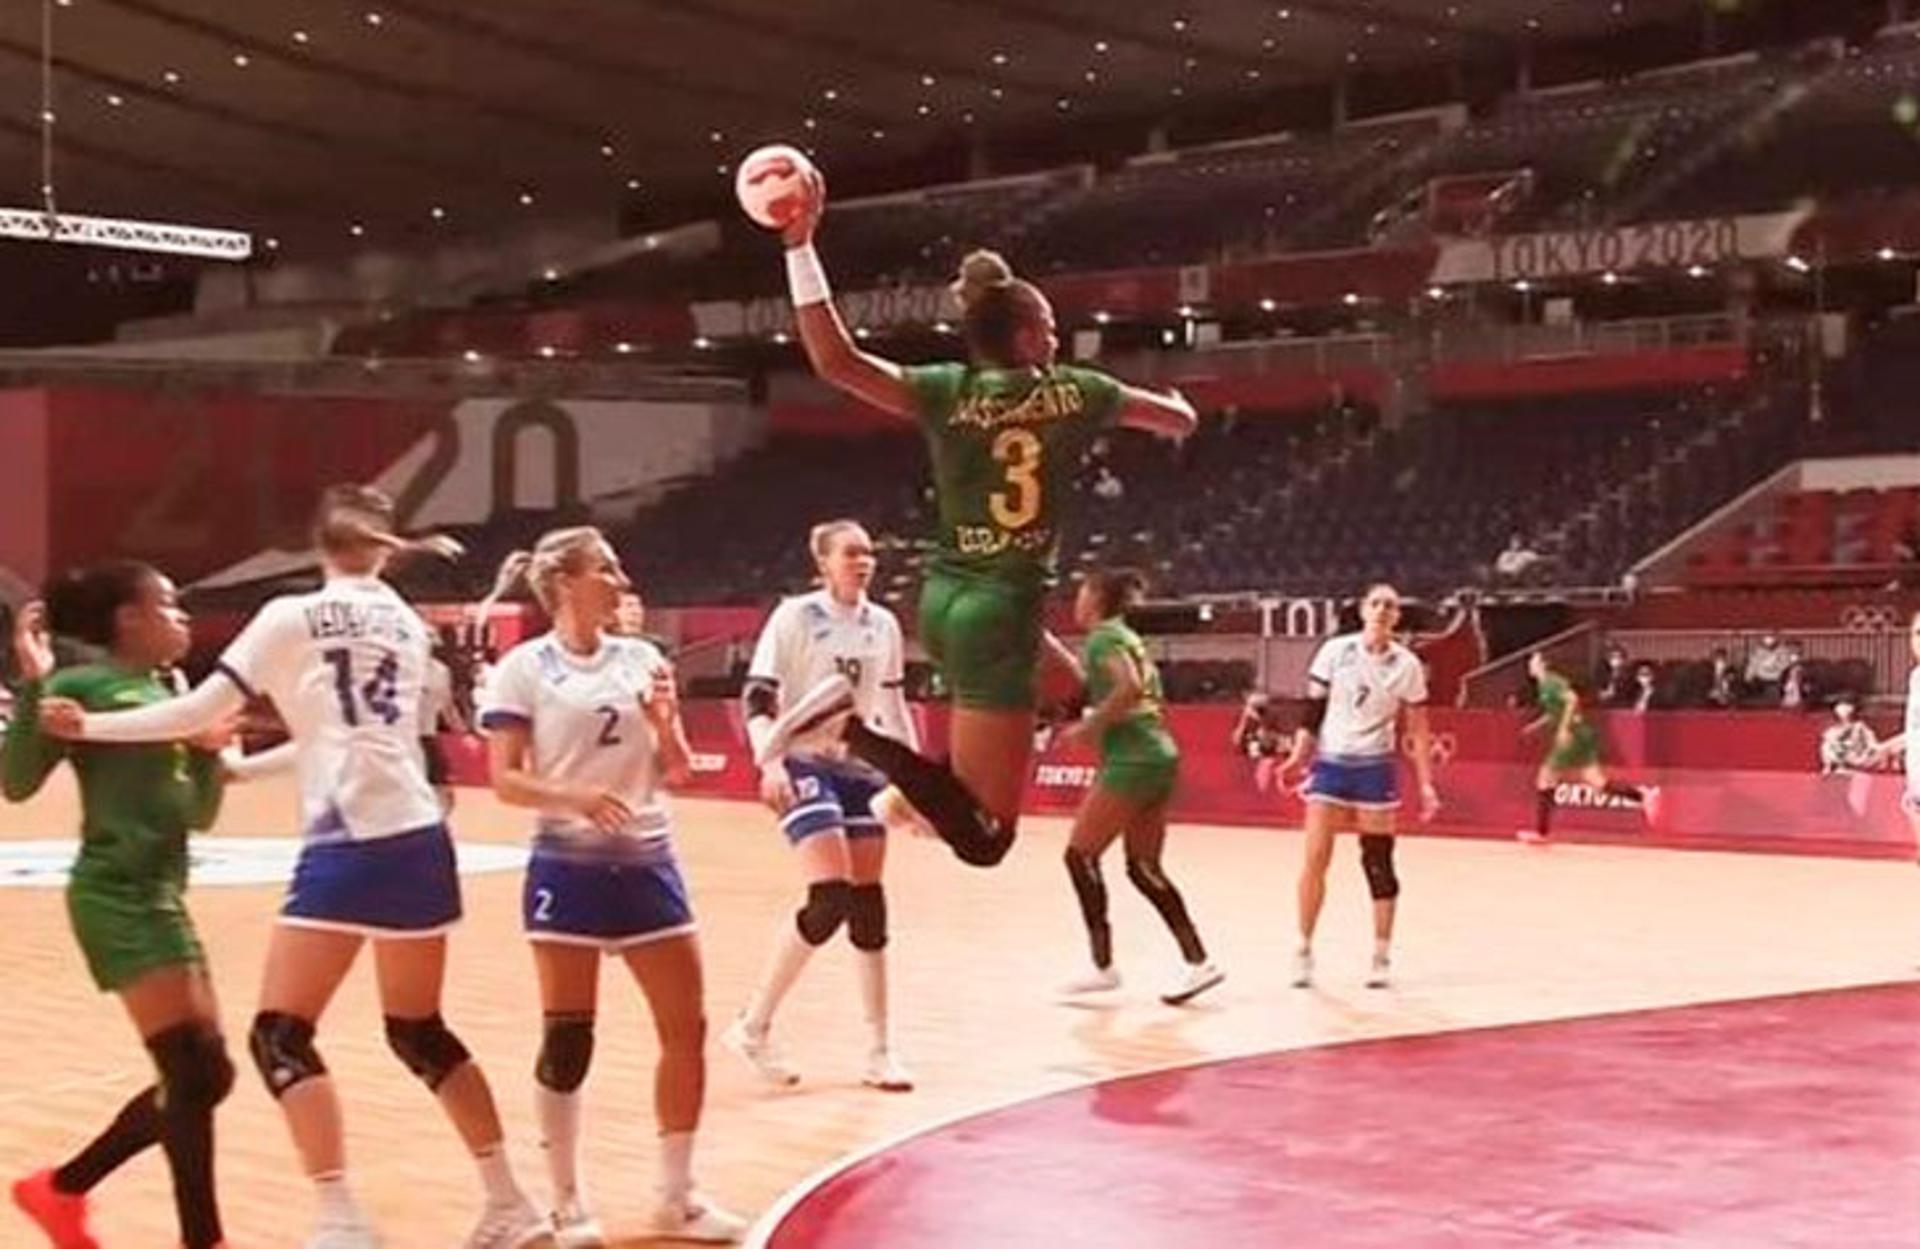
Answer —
1365 691
1913 735
587 720
436 699
809 637
345 666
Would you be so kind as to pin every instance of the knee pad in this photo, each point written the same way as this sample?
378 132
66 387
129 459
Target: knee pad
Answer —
1376 856
194 1068
990 846
867 917
430 1051
282 1048
566 1049
826 909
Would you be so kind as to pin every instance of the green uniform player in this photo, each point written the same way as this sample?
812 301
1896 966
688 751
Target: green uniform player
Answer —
126 895
1575 745
1138 756
1004 444
1573 751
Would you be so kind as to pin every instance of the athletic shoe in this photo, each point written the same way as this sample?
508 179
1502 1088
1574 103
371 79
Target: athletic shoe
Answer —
1653 805
818 715
510 1225
1099 980
695 1218
1531 836
1197 979
574 1228
897 815
758 1052
354 1235
885 1073
1380 974
1303 969
62 1216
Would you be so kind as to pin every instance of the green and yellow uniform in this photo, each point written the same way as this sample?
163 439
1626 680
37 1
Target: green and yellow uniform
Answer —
1582 749
1139 759
126 897
1005 444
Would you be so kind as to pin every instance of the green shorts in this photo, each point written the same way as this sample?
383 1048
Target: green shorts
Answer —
127 931
1579 754
1140 764
985 636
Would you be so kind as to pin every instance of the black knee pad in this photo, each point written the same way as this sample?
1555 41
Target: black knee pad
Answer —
867 917
282 1048
990 846
428 1049
828 902
194 1068
1376 856
566 1050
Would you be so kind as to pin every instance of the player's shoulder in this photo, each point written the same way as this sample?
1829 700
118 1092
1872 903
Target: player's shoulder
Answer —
637 650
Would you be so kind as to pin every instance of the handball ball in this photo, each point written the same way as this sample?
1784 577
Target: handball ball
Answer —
773 184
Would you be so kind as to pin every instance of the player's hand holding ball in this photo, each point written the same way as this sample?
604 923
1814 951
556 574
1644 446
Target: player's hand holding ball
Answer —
779 188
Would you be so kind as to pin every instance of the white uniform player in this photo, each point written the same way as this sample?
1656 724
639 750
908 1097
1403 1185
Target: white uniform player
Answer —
585 716
1365 692
807 639
1912 733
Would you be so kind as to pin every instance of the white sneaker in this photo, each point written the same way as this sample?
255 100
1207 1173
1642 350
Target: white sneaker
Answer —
574 1228
756 1049
1099 980
1531 836
1653 805
343 1236
885 1073
1303 969
510 1225
819 714
1197 979
1380 974
694 1217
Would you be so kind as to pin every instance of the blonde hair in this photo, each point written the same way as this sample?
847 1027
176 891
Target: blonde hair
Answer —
557 553
820 537
355 522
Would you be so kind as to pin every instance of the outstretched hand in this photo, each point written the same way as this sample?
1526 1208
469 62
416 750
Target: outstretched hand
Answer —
62 718
800 230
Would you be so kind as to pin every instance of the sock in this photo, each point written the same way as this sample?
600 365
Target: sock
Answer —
496 1176
336 1199
186 1131
790 956
1157 889
1543 811
1382 948
1084 871
559 1116
676 1165
936 793
1633 793
136 1127
873 997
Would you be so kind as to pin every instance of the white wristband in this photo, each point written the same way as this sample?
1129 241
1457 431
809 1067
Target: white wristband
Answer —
806 280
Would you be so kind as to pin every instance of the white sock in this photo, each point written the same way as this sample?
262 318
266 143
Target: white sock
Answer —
496 1176
1382 948
559 1116
873 997
336 1199
676 1165
790 955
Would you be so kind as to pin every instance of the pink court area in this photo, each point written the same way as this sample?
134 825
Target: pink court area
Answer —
1778 1121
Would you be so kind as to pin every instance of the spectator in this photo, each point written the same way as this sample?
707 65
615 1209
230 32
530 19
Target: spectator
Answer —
1517 560
1767 665
1257 735
1106 485
1796 691
1848 744
1613 679
1645 694
1723 684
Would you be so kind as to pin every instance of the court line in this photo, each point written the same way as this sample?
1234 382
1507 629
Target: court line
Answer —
760 1235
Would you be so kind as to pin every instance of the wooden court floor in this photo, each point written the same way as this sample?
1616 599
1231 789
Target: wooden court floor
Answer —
1491 933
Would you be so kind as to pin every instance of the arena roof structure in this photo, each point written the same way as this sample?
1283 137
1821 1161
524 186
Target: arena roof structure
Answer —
389 120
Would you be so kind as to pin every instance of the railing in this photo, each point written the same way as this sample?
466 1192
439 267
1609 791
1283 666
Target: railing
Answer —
1580 338
1886 651
381 378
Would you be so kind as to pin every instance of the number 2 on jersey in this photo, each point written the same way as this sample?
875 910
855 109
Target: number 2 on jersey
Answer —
1020 451
377 692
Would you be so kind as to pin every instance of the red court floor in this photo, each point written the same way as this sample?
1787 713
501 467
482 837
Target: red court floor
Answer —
1779 1121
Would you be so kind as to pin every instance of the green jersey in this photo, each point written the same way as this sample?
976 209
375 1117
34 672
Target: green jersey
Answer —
1140 737
1555 693
137 802
1005 445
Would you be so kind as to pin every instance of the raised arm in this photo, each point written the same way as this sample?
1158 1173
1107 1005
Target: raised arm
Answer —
835 358
1168 415
210 703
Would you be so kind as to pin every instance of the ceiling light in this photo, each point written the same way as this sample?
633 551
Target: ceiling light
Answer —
1350 299
1436 293
1798 264
439 213
703 342
722 170
606 150
924 109
470 356
999 58
374 18
1286 15
942 327
1253 75
1102 317
1179 23
526 199
831 93
171 77
115 101
996 92
1268 305
547 352
780 336
1186 310
862 332
551 275
300 36
1100 46
273 245
1176 89
967 117
357 230
1092 76
624 348
1696 271
1523 286
926 80
241 60
717 136
1269 43
811 123
1063 104
1610 278
878 133
633 184
1886 253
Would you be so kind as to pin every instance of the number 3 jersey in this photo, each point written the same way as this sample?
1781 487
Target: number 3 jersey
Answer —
586 716
345 666
809 637
1005 446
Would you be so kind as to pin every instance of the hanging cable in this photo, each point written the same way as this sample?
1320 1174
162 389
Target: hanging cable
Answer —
47 115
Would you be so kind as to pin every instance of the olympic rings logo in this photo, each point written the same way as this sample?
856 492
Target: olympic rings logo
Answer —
1441 747
1861 618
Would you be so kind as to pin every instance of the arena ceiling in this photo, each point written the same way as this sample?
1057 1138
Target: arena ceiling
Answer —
309 120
